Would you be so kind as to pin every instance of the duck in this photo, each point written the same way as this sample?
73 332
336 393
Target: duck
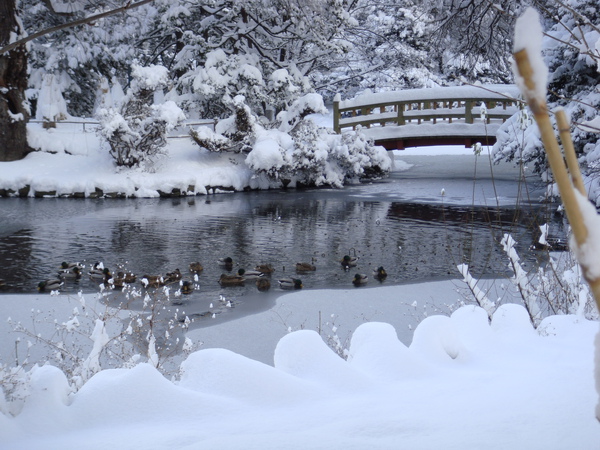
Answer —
231 280
196 267
187 287
153 281
360 279
290 283
263 284
127 277
73 273
265 268
250 274
100 274
349 261
65 265
380 273
116 283
226 263
173 276
305 267
51 284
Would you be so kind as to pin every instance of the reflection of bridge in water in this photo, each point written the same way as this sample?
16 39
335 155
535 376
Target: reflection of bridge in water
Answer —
461 115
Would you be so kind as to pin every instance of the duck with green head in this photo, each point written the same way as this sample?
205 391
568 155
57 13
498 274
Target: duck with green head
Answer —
360 279
51 284
73 273
290 283
349 261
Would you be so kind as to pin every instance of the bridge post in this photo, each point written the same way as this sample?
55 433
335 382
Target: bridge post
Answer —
468 111
336 113
400 120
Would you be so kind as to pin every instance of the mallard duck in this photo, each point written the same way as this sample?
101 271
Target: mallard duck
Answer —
153 281
116 283
250 274
231 280
173 276
305 267
72 273
349 261
187 287
127 277
226 263
290 283
359 279
196 267
265 268
65 265
98 274
263 284
51 284
380 273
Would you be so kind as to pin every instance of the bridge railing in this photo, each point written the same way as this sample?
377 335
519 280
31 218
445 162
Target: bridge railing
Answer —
462 104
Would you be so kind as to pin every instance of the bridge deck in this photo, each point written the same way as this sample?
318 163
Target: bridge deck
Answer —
425 134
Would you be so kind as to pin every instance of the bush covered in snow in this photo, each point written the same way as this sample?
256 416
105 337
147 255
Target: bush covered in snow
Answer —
136 130
297 152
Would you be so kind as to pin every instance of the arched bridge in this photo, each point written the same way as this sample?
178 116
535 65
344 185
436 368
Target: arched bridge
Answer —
460 115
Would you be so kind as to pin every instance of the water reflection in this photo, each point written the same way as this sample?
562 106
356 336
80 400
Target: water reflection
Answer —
154 236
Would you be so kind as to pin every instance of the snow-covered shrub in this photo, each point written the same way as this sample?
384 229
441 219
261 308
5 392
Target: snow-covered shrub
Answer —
51 106
299 152
299 109
554 289
90 340
237 133
136 131
224 77
285 86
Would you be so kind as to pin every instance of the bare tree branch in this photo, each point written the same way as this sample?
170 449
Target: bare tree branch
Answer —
75 23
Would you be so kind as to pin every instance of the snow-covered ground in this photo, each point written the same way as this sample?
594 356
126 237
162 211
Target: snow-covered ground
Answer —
462 383
269 381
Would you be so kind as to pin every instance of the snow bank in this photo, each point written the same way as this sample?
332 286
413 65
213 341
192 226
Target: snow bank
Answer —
514 388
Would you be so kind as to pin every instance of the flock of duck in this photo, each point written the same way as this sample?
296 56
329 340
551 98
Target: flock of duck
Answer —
260 275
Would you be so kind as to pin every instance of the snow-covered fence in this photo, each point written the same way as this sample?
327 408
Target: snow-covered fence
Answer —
420 117
91 125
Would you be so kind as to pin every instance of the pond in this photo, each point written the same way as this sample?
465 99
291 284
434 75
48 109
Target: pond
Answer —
403 223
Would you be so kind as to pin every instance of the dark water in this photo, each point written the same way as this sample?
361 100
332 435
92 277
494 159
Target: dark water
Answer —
154 236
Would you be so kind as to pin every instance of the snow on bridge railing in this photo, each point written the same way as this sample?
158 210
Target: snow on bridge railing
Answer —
435 105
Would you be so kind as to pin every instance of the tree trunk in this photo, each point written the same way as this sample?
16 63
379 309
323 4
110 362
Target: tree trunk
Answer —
14 108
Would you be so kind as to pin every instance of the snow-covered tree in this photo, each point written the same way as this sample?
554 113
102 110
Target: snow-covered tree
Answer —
137 130
387 48
573 58
473 38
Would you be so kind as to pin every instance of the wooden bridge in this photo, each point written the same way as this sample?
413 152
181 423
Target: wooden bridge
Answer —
461 115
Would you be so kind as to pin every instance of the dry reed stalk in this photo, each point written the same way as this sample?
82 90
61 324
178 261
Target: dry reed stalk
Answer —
564 130
557 165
